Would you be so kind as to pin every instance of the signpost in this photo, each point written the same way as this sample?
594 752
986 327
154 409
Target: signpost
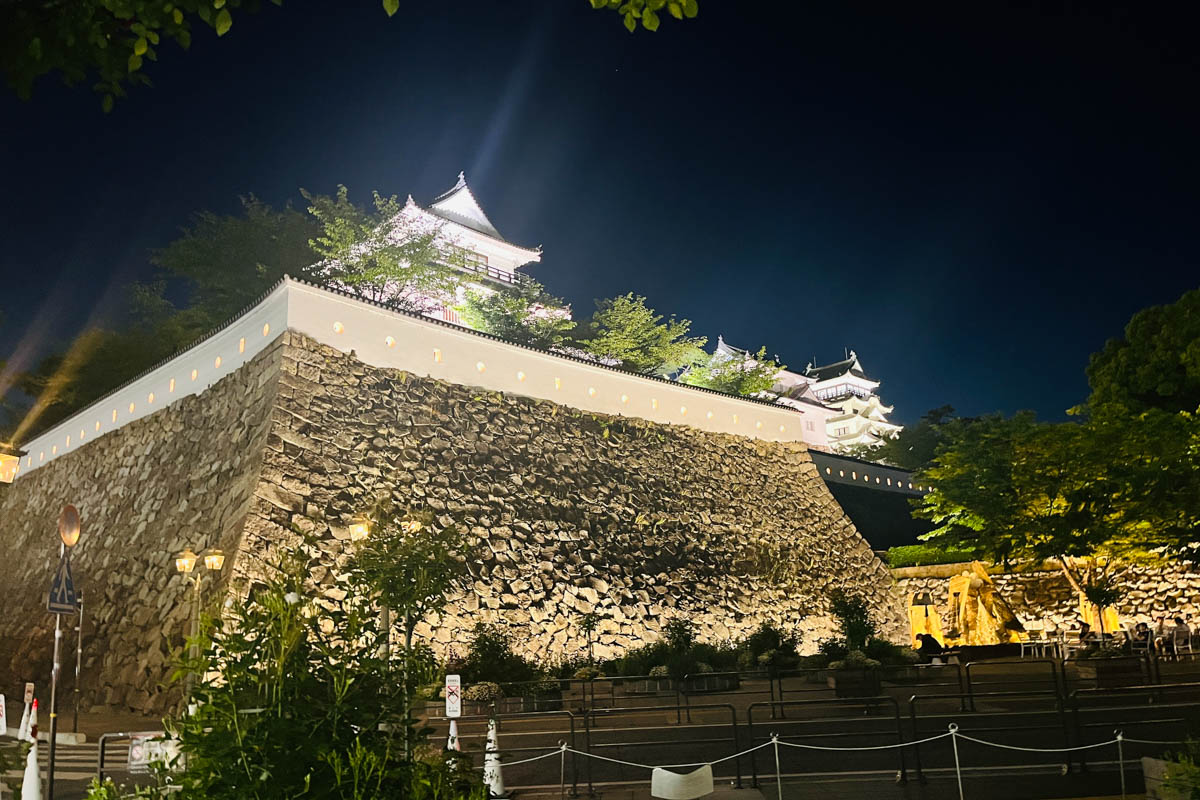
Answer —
62 600
3 717
453 696
29 693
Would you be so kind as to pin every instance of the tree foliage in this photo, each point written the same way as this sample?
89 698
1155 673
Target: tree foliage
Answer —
387 253
111 40
744 373
648 11
627 331
1155 366
915 447
524 313
218 265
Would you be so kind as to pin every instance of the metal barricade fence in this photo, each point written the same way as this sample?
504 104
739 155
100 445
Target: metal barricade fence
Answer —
990 713
853 720
712 717
1158 712
1033 674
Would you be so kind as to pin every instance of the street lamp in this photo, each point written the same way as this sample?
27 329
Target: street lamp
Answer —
185 564
10 460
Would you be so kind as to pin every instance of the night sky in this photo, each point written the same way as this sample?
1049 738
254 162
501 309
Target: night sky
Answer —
974 200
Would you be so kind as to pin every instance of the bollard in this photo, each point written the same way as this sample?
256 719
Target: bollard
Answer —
452 739
492 775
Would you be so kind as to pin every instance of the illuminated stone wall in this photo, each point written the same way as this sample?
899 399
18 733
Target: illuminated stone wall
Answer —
1044 596
568 511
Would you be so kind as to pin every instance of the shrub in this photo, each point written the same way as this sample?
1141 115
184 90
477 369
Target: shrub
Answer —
680 634
853 619
855 659
491 658
893 654
769 648
703 668
485 692
919 555
660 671
588 673
833 649
641 660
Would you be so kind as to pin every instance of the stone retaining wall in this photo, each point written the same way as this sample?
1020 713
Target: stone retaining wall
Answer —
568 512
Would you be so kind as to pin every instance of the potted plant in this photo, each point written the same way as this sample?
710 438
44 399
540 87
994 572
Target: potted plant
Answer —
660 681
854 676
1110 667
703 680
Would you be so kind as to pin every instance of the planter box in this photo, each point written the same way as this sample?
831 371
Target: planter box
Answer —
711 683
650 686
1154 770
854 682
1110 674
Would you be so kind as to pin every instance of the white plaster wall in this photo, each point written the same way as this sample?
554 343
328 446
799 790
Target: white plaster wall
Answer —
386 338
473 360
168 382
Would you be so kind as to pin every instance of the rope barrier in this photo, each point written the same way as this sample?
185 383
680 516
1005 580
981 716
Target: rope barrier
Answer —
1035 749
873 747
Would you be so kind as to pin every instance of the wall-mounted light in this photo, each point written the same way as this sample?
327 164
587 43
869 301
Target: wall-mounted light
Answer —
242 345
266 328
390 341
479 365
683 411
195 374
624 398
150 398
217 362
171 387
709 415
591 391
131 407
654 402
339 327
437 355
557 384
520 376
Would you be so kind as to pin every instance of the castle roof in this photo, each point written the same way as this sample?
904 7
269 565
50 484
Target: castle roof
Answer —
846 366
459 205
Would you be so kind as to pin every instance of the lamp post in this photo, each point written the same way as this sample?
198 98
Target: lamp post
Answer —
185 564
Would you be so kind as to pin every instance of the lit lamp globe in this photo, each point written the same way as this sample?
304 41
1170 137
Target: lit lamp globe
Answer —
214 559
359 531
185 562
10 461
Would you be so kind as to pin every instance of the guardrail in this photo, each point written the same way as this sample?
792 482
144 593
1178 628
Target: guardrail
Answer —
968 706
866 703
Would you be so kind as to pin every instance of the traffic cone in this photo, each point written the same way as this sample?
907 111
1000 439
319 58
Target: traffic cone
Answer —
491 763
31 785
452 740
24 727
31 731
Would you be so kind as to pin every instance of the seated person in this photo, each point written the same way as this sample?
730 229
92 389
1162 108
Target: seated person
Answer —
1086 635
1141 634
930 646
1181 634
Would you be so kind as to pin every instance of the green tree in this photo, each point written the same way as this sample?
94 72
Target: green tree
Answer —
384 253
914 447
219 264
112 40
1015 488
1155 366
745 374
293 699
410 566
625 330
524 313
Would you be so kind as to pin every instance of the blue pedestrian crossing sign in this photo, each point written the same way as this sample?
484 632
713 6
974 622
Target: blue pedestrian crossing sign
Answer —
62 590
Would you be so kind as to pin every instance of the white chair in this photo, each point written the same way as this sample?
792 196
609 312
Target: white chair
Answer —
1182 641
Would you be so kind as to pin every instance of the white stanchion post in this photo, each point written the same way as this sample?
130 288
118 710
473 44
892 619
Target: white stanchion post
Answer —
957 767
562 770
778 771
1121 758
31 781
452 739
492 775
